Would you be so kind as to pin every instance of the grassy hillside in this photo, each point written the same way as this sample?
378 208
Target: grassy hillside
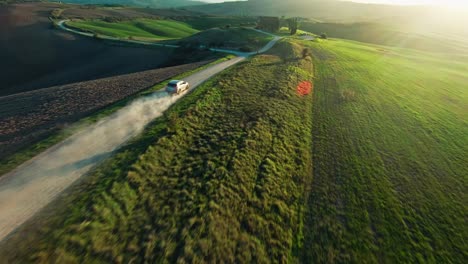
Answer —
229 38
26 67
144 3
207 22
138 28
326 10
389 35
223 179
389 153
182 33
412 19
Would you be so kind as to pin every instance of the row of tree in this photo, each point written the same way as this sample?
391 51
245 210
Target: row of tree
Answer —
273 24
293 25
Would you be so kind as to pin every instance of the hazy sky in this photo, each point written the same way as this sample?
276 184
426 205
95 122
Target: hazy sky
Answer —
417 2
217 1
453 3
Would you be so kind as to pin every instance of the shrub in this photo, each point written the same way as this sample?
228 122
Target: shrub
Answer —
347 95
212 45
293 24
245 49
53 25
323 36
305 53
56 13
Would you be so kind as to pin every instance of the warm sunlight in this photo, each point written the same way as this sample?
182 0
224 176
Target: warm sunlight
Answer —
447 3
233 131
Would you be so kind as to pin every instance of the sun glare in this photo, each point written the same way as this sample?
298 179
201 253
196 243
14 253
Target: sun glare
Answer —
449 3
446 3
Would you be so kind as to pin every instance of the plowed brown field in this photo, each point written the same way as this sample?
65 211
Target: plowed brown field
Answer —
34 55
29 116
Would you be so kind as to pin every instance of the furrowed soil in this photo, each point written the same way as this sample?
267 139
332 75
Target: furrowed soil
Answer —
27 117
220 178
35 55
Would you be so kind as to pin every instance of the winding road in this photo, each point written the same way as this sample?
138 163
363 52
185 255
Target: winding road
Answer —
62 25
30 187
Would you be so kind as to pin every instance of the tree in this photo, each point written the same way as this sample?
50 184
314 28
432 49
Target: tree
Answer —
271 24
305 53
56 13
293 24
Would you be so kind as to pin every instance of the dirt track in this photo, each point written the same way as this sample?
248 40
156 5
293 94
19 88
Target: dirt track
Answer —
31 186
26 190
27 117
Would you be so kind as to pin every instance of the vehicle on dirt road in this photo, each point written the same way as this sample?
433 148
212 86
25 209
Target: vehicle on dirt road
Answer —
177 87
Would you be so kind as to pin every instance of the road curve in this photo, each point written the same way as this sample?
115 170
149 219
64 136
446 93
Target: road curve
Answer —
61 24
34 184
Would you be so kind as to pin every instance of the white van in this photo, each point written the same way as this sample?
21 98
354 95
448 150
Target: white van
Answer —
177 87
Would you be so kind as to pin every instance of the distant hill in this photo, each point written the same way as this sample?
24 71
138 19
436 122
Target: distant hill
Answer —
145 3
327 10
418 19
57 58
381 34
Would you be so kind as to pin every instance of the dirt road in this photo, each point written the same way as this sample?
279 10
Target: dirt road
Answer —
29 116
62 25
31 186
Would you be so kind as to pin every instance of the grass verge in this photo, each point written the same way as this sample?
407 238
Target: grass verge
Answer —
9 163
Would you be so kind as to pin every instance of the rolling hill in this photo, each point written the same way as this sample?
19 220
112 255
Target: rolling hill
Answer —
413 19
138 28
326 10
389 35
141 3
34 55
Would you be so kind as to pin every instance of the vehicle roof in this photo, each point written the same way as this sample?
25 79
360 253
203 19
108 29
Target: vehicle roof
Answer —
175 81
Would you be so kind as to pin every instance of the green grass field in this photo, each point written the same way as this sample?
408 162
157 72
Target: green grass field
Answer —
390 144
139 28
229 38
207 22
371 168
389 35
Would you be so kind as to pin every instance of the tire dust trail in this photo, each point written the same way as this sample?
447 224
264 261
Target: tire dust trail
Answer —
31 186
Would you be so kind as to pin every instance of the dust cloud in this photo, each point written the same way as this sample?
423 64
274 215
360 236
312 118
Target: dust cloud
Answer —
31 186
54 170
